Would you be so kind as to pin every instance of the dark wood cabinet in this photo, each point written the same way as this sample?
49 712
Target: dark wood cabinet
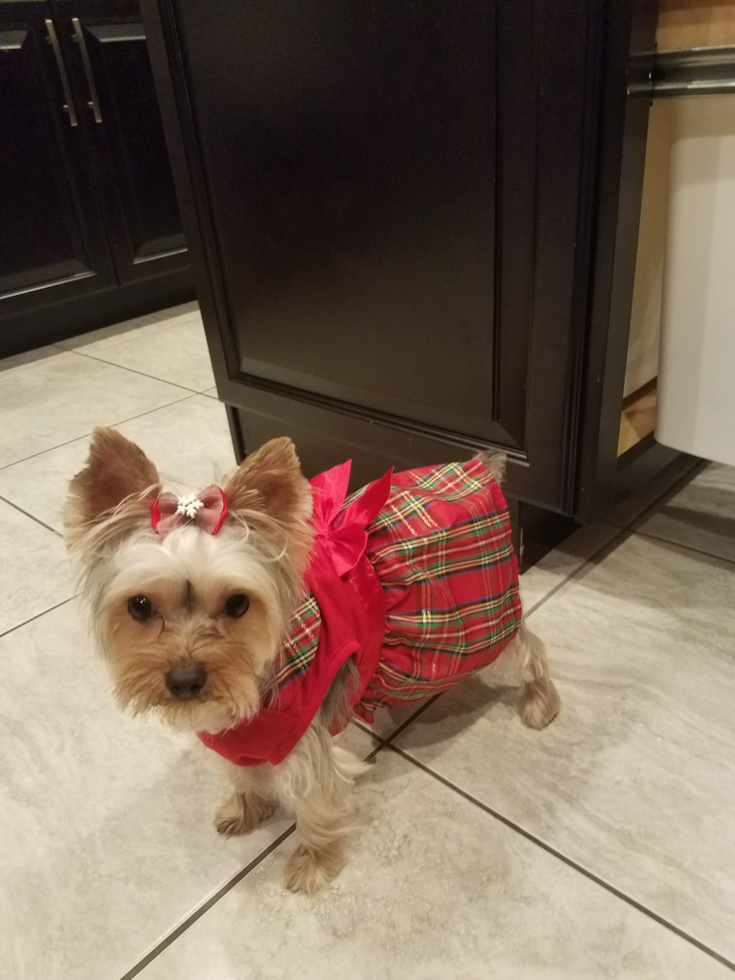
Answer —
52 238
394 210
124 138
87 197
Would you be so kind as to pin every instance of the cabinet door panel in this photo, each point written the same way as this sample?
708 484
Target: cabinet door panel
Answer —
52 242
125 140
350 150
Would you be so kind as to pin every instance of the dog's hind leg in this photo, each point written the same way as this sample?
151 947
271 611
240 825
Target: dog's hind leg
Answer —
540 701
525 656
523 662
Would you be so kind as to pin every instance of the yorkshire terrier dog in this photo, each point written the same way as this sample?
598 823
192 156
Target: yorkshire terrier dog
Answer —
262 615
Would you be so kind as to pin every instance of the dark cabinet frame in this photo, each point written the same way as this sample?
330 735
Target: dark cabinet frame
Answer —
626 90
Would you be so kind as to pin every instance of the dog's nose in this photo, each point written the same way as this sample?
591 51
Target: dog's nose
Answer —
186 682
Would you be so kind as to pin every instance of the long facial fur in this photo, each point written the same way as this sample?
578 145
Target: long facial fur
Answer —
261 551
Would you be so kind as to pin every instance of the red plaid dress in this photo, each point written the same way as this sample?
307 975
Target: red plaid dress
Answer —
431 598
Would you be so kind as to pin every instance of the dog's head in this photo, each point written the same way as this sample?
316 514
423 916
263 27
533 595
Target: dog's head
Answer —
189 621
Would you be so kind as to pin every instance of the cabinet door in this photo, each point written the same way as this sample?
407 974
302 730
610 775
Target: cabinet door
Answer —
384 198
52 245
109 60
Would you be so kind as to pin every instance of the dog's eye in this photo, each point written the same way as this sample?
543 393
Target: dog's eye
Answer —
237 605
140 607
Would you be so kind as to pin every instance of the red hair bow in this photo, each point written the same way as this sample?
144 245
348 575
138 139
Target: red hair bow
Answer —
206 510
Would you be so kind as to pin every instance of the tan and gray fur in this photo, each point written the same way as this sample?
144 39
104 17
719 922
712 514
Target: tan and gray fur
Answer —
191 586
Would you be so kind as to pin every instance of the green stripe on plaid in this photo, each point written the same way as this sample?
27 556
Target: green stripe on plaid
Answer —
299 647
461 632
452 550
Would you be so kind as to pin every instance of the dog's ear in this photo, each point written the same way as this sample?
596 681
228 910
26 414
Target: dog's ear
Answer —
270 482
117 473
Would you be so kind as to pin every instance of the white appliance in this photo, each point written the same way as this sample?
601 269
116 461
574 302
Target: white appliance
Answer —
696 381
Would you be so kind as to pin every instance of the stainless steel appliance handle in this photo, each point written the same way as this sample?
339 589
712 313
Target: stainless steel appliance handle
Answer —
94 103
54 42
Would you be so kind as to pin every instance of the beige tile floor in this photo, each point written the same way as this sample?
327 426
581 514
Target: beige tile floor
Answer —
603 847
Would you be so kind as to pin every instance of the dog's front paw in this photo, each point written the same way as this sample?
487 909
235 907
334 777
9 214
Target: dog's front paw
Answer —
310 871
241 814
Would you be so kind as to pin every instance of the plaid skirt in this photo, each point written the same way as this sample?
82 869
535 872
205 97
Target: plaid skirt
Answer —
441 547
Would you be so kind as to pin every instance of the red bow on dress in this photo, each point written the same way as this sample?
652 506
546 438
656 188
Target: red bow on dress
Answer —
206 510
342 531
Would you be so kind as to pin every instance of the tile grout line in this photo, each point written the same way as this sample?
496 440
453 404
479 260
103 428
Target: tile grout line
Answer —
409 721
125 340
6 370
86 435
383 741
366 728
630 530
141 374
274 845
608 545
206 906
635 525
25 512
38 615
570 862
663 497
684 547
227 887
626 533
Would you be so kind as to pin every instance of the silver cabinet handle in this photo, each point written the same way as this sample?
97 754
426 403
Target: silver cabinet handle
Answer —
94 104
54 42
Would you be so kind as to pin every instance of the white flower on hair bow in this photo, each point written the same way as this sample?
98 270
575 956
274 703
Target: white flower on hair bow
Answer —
206 510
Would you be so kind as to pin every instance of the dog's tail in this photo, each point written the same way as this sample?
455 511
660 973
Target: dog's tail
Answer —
495 462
